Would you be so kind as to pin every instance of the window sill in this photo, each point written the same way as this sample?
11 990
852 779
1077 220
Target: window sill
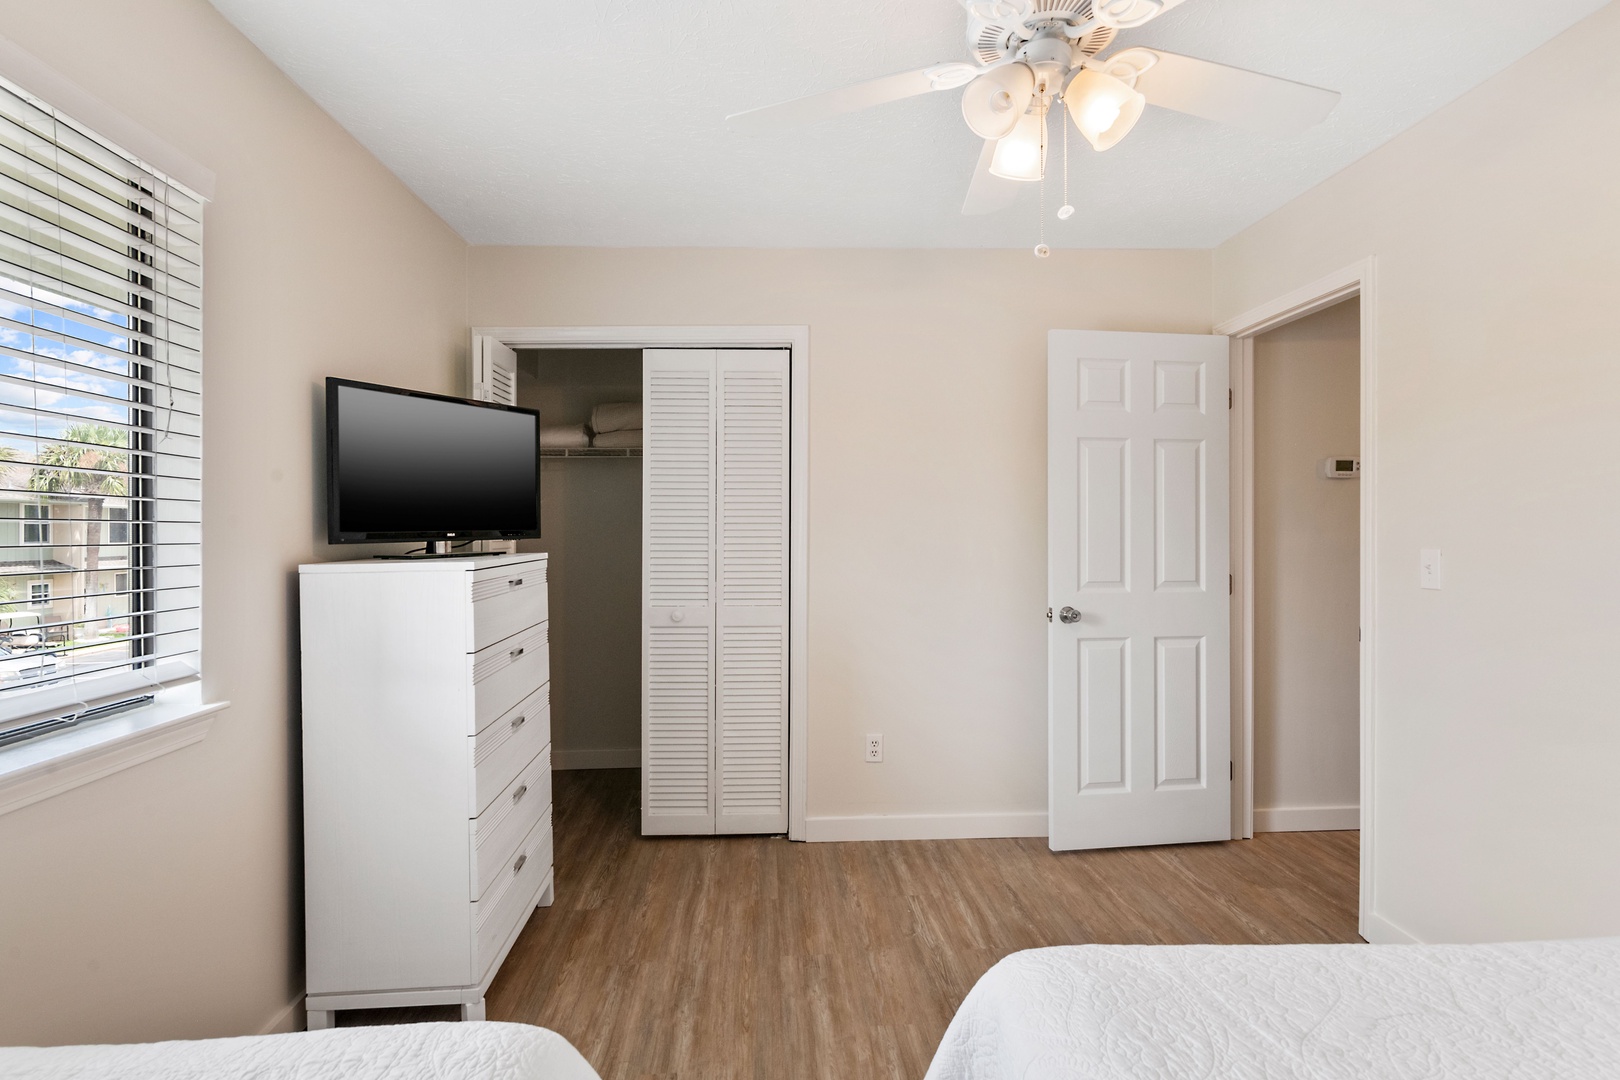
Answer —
49 765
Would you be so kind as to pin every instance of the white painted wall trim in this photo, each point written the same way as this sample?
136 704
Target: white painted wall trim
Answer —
1306 300
63 94
1308 819
797 340
624 757
47 766
1380 931
288 1019
926 826
1358 279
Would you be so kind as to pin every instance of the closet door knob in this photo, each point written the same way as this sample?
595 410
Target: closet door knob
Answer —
517 796
519 651
514 583
677 616
519 864
1069 615
519 721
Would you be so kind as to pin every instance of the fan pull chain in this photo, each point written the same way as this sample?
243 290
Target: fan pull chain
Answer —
1066 211
1041 250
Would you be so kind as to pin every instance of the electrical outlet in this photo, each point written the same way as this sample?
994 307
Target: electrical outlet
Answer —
874 748
1431 568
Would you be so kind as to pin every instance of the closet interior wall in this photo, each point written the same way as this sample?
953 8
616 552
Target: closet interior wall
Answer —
590 521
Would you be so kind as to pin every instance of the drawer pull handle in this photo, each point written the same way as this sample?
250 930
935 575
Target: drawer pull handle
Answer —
517 796
519 721
517 652
514 583
521 859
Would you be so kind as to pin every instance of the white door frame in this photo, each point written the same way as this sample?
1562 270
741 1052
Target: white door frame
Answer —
796 339
1358 279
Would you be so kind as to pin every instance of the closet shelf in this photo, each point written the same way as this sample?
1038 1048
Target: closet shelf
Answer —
589 451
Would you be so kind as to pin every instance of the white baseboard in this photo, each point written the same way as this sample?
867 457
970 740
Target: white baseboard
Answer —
626 758
1307 819
1380 931
289 1019
925 826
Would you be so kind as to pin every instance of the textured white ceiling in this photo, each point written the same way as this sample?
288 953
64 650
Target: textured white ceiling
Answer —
600 122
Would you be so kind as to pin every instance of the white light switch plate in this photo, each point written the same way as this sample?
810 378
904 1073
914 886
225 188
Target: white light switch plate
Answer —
1431 568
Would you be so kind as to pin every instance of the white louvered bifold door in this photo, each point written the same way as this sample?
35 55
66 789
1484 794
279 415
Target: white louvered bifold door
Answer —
715 588
751 514
494 371
677 641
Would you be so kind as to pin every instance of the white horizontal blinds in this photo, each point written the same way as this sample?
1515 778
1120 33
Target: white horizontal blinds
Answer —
494 371
100 418
752 575
677 584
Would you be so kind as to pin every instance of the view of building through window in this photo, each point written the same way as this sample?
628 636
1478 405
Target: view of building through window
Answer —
67 414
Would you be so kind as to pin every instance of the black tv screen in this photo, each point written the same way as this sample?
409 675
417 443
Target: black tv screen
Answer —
403 465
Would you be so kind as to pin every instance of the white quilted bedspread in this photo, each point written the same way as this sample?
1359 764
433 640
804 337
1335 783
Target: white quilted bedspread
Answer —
471 1051
1268 1012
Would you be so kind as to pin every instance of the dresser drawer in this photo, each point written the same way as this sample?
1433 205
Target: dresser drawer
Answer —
503 748
505 600
510 900
499 830
507 672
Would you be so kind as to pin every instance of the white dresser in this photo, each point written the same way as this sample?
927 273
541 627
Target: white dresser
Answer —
427 776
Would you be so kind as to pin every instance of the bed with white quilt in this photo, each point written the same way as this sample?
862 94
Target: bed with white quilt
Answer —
1266 1012
448 1051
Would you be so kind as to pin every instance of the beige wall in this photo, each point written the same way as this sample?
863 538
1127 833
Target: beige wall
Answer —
1306 574
164 900
927 592
590 523
1496 227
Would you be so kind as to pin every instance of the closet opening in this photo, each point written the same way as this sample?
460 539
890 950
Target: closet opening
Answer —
590 514
674 511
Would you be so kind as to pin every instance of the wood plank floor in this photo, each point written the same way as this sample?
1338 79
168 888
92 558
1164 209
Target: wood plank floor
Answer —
743 957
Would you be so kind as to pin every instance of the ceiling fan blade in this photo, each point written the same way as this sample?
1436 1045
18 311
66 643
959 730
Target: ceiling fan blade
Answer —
1227 95
806 110
988 192
1129 14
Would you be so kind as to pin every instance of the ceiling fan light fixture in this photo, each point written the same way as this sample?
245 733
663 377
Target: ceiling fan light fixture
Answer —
994 101
1020 155
1102 107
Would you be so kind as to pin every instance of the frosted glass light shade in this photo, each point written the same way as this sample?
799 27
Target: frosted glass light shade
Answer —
1102 107
1019 154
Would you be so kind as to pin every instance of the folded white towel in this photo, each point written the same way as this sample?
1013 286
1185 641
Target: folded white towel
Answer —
616 416
562 436
618 439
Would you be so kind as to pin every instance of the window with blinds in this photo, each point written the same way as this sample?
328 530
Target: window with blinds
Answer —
100 423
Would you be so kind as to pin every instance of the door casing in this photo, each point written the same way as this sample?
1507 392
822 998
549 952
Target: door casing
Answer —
1356 280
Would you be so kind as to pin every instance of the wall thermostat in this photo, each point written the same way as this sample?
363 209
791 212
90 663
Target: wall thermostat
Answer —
1341 468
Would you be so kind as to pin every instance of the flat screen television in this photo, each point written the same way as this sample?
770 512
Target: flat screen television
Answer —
403 465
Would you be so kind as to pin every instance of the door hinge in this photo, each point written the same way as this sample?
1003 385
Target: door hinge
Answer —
1231 585
1231 770
1048 614
1228 397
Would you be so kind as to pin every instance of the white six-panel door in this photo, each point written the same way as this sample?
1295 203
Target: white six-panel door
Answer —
1137 547
715 573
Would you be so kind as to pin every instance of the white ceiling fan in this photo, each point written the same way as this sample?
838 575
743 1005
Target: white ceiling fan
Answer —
1029 56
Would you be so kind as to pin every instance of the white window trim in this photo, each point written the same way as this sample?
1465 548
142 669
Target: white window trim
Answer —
41 521
39 598
37 769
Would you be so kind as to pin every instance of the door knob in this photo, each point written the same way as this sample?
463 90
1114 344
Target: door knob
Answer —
1069 615
677 616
